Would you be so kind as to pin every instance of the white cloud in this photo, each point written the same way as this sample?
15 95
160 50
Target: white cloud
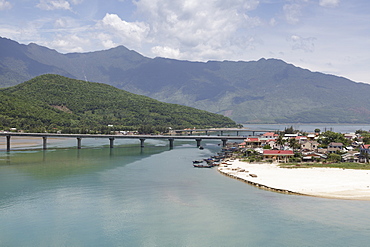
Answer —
106 40
75 2
329 3
67 23
53 4
292 12
132 33
5 5
164 51
305 44
70 43
195 25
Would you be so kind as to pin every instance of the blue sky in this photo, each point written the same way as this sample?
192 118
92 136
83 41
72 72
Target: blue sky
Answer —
330 36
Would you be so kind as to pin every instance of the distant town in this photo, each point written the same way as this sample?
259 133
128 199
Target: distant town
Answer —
292 146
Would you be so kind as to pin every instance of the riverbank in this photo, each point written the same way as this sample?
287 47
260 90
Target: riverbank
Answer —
320 182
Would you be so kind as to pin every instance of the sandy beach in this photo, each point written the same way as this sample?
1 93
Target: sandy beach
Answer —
321 182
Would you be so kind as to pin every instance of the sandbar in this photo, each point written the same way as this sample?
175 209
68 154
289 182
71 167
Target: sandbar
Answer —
335 183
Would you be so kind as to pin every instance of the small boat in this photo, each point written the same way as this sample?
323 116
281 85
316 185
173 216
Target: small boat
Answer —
203 166
201 147
197 161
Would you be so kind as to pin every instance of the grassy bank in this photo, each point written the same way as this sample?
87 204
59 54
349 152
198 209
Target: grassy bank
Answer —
342 165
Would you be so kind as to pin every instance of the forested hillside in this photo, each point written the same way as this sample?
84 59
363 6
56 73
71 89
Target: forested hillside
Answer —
53 102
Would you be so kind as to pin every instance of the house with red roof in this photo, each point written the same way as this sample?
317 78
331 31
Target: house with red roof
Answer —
252 142
278 155
270 135
301 139
364 152
272 143
365 148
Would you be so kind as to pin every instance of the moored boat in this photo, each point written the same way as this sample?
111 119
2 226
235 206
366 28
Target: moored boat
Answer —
203 166
197 161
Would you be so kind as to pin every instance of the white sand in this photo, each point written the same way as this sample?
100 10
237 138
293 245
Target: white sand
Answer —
322 182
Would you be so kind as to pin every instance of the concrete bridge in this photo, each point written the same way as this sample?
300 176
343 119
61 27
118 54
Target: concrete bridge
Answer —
111 138
221 131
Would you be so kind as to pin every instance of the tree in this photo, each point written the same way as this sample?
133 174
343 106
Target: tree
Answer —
334 157
280 141
365 137
267 146
330 136
366 155
294 144
289 130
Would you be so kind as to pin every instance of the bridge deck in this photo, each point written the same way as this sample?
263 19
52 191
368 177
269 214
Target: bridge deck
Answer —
111 138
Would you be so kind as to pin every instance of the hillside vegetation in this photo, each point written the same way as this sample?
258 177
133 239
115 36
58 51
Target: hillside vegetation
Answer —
52 102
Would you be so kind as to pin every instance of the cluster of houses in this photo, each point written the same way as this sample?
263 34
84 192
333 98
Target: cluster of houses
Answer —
307 147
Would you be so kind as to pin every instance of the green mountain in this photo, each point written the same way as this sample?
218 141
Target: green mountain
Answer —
264 91
54 102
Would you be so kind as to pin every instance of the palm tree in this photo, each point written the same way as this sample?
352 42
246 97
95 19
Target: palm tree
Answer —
280 141
293 143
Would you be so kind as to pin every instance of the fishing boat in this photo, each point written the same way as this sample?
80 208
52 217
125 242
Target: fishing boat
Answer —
203 166
197 161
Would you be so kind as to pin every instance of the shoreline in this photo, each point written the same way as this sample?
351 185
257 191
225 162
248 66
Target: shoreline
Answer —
332 183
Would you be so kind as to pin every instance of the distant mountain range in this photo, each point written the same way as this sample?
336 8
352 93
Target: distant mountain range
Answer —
264 91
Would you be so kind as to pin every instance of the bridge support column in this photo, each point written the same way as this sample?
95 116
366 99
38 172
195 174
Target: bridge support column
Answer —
222 133
44 142
7 143
142 142
198 142
111 141
237 133
171 142
79 142
224 141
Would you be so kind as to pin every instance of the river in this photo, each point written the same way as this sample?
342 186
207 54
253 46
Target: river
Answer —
152 196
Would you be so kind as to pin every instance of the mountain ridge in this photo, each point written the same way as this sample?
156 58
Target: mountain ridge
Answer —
262 91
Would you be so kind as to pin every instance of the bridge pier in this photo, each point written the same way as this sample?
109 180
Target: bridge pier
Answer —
111 141
142 142
79 142
44 142
222 133
142 138
198 142
8 143
224 141
171 142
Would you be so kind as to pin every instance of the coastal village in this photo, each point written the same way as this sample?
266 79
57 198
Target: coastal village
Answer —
295 146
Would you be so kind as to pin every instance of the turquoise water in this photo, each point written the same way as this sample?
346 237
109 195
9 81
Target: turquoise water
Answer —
128 196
